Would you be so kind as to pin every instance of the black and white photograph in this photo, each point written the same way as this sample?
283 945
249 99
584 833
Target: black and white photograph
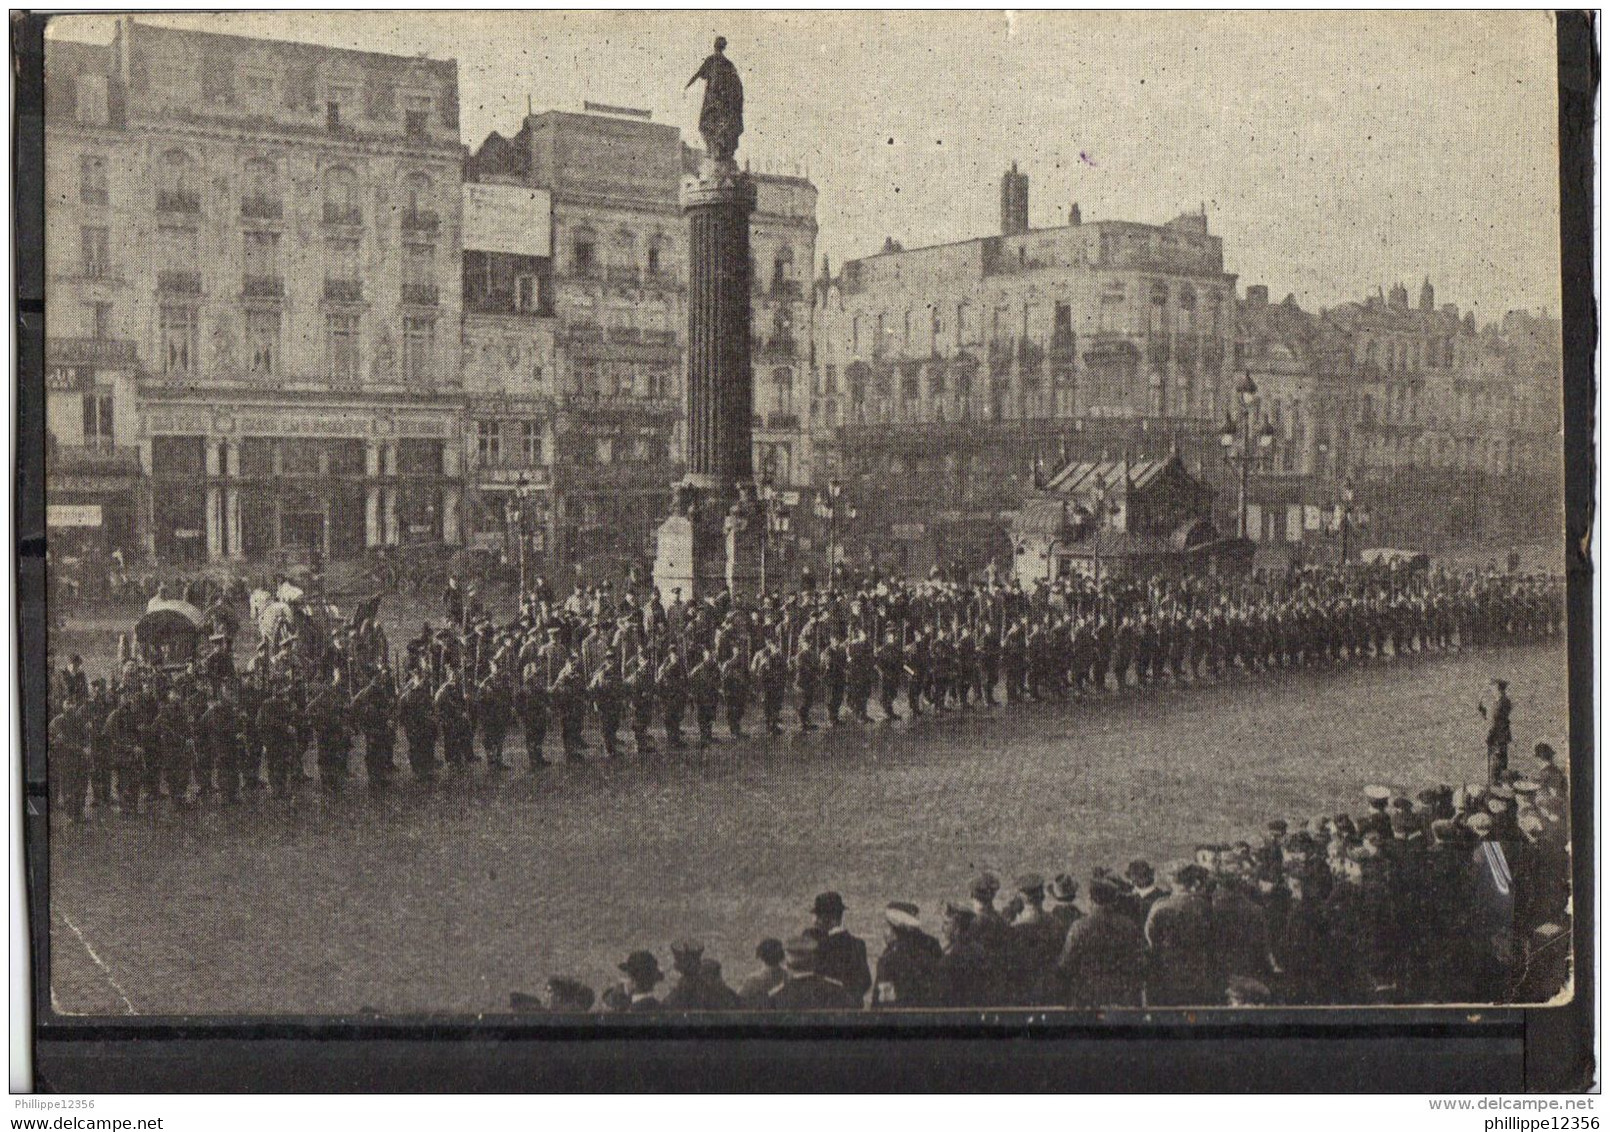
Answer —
794 514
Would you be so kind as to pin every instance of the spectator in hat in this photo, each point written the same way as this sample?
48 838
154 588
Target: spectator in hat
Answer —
1377 818
755 993
806 987
965 975
1179 933
1064 912
694 990
643 975
561 996
1033 943
1103 959
1143 892
1548 774
841 956
908 970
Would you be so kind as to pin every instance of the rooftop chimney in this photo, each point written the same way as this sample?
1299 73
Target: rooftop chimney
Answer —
1257 295
1014 202
1073 215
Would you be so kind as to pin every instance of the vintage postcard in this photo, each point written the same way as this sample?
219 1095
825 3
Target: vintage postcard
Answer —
662 512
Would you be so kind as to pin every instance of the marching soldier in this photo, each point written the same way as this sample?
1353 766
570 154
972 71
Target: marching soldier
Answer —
833 676
891 662
417 715
332 732
807 676
218 743
568 694
770 673
672 680
704 686
494 710
735 693
276 728
374 710
69 757
454 723
531 703
643 692
608 695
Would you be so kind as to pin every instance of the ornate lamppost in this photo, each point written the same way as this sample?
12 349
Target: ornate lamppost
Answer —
778 516
1348 514
828 509
1243 448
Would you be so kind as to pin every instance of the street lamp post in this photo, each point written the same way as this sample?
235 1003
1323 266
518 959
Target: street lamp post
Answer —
778 518
1243 449
1348 515
828 510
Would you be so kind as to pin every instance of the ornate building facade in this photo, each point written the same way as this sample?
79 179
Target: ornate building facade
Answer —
270 232
1446 432
940 371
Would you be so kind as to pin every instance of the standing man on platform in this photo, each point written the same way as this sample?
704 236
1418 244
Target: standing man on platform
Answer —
1495 711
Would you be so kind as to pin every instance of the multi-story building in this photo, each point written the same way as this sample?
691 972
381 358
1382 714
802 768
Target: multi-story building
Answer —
939 371
272 229
1447 432
618 259
783 244
619 309
508 355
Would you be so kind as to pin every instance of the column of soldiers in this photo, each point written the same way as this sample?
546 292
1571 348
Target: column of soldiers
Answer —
595 664
1453 895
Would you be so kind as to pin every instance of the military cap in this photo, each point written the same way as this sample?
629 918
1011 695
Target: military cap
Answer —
1497 805
984 887
1404 822
1479 824
1427 797
828 904
1378 795
1278 827
1444 830
900 914
1502 791
642 967
1140 874
1064 888
687 949
1543 753
1402 804
1530 822
1031 883
1475 790
1526 786
770 951
962 915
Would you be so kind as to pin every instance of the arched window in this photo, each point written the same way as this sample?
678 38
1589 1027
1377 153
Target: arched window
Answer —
260 195
783 378
419 199
583 251
655 264
341 199
1156 320
782 268
178 183
623 252
1187 311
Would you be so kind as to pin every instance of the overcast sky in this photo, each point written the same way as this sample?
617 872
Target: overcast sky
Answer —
1333 151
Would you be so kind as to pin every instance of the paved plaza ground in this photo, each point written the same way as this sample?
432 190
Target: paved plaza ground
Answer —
446 901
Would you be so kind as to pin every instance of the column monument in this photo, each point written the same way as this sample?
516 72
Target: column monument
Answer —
713 536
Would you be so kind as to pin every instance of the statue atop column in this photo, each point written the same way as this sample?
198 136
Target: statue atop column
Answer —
721 118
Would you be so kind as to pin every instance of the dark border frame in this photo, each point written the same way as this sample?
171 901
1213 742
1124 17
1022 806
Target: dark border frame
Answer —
1434 1050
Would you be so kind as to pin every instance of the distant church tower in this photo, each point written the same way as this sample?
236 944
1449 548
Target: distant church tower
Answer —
1428 297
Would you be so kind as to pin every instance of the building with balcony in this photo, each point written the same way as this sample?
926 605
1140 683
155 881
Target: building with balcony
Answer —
949 370
1446 433
509 346
273 228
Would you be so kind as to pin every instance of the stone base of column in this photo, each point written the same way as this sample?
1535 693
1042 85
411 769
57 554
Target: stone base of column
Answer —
703 549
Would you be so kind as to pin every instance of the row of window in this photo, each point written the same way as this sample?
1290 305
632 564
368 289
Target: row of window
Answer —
179 190
179 333
489 444
1009 323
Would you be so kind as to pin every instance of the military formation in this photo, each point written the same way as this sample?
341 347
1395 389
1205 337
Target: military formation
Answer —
632 674
1452 895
